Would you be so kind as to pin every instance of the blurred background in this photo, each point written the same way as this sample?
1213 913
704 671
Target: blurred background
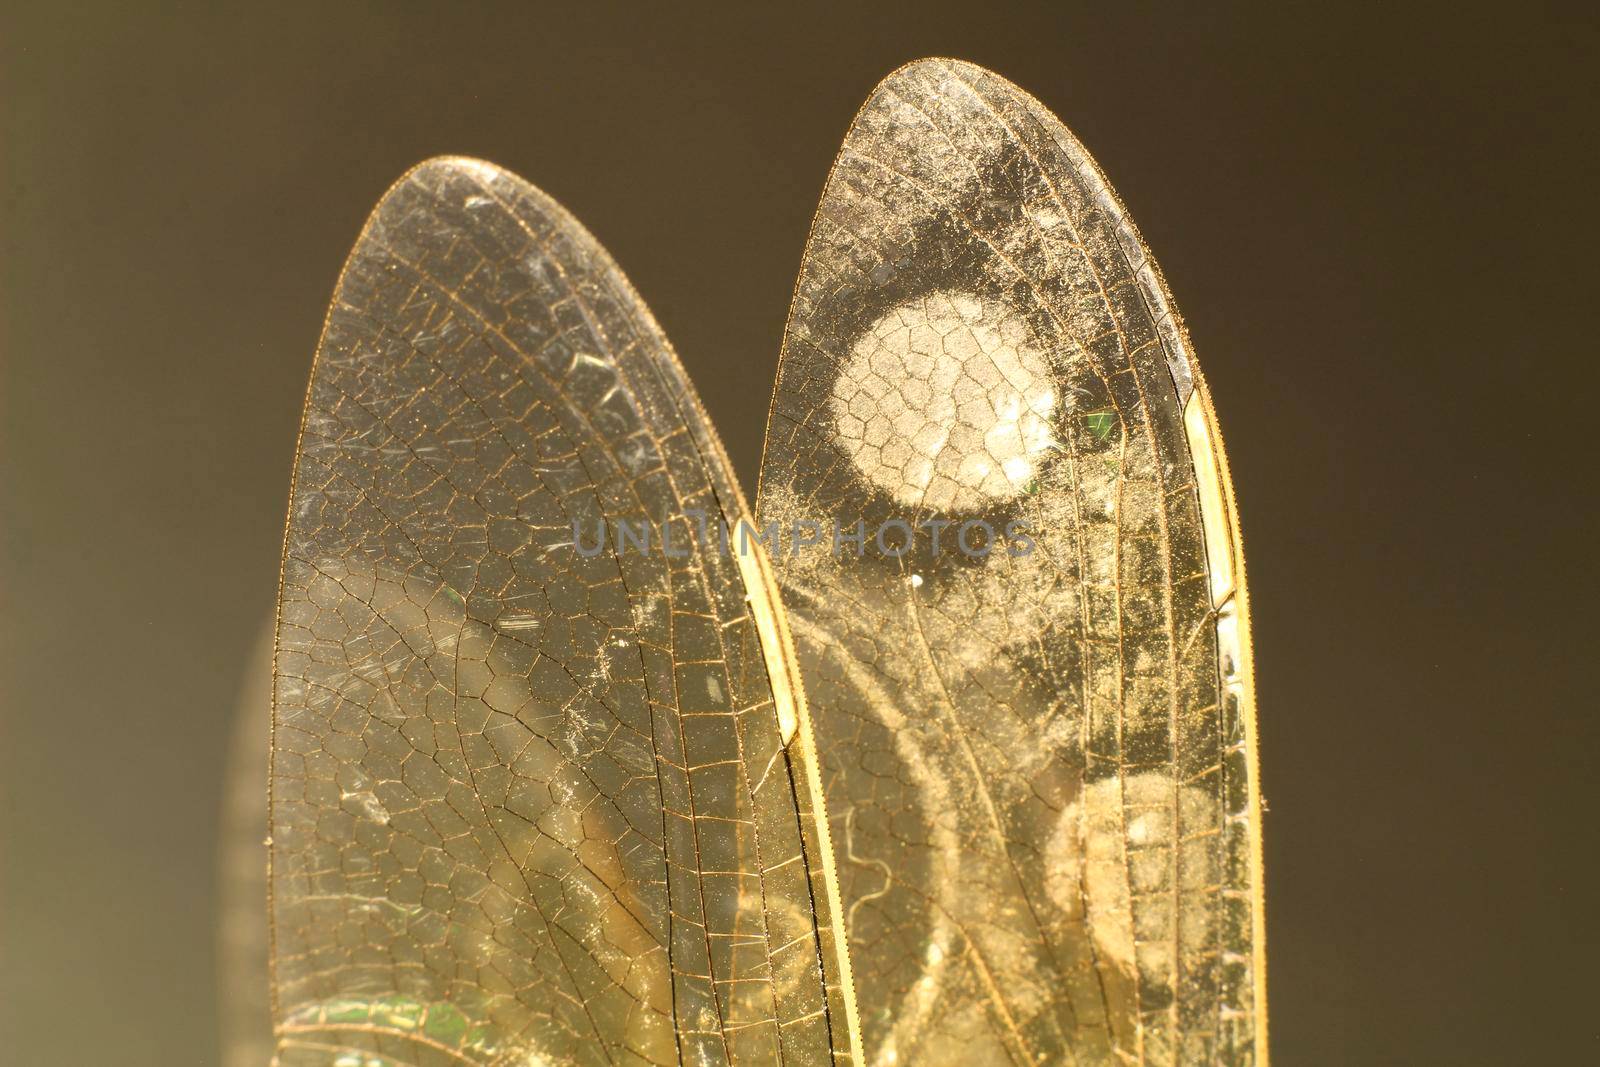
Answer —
1378 225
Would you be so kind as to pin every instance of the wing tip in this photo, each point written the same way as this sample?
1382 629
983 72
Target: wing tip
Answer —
931 76
944 64
431 171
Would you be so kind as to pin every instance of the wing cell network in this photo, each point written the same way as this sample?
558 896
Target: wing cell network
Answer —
1027 658
531 802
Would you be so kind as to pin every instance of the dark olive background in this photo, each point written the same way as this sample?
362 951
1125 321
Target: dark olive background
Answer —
1378 227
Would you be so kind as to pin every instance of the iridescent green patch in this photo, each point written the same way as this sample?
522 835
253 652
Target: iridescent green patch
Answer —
439 1023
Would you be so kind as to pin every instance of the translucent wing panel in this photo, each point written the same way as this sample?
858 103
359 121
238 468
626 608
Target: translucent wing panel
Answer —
530 800
1024 648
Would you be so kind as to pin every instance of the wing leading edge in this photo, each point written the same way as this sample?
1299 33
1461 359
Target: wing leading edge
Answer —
531 801
1038 743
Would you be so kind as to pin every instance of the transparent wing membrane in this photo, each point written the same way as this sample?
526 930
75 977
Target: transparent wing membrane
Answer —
952 763
1034 719
530 804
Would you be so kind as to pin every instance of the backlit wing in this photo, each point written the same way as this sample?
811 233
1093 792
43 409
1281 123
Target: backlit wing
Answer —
531 800
1037 743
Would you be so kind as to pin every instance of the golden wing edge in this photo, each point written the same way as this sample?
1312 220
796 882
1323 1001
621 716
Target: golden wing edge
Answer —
1219 511
1214 480
761 594
788 692
777 648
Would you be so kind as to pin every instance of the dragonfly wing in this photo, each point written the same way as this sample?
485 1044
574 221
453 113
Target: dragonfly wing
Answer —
1026 647
530 801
